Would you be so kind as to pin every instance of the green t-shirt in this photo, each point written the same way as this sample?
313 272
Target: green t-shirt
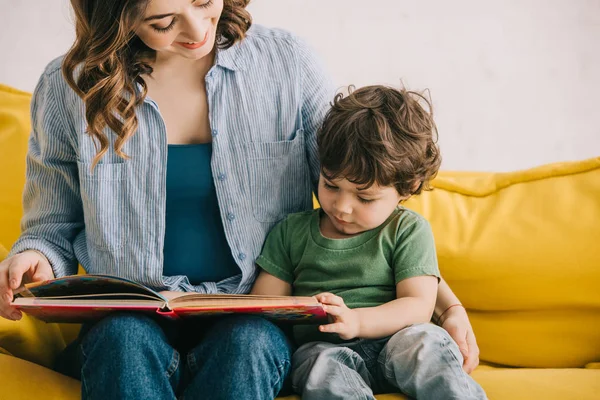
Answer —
363 269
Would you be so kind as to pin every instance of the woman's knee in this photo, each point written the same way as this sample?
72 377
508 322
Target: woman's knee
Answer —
250 334
124 331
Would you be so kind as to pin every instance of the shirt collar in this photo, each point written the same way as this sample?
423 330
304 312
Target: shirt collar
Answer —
233 58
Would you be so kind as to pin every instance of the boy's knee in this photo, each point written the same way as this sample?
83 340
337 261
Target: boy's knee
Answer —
418 338
326 356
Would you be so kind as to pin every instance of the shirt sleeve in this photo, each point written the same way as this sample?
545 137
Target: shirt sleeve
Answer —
53 213
317 94
414 254
275 255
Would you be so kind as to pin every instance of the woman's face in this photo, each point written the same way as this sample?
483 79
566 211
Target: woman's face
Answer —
181 27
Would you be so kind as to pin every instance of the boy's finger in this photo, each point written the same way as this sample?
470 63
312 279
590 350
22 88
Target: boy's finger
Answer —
332 310
332 328
321 296
332 299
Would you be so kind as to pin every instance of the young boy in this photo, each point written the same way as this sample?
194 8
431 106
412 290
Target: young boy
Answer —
369 261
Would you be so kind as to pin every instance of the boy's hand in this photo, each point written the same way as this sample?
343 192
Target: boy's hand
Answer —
345 321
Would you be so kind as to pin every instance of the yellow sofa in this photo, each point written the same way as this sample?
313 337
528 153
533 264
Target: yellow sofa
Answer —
520 249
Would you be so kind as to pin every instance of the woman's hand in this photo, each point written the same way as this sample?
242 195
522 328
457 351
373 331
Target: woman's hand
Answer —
456 322
25 267
345 321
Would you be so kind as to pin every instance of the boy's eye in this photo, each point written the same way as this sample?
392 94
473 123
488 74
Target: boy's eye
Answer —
166 28
365 200
330 187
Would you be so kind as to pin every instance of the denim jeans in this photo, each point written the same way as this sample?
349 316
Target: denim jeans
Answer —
132 356
421 361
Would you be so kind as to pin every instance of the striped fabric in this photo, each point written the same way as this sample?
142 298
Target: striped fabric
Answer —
266 96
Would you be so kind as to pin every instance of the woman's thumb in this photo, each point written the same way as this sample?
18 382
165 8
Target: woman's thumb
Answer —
40 276
43 271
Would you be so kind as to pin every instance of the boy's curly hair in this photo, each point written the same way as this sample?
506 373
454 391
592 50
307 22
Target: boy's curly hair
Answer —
383 135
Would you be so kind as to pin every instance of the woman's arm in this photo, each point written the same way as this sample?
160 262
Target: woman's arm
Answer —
53 213
445 298
456 321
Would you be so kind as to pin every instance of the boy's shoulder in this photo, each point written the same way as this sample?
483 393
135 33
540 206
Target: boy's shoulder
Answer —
405 220
294 228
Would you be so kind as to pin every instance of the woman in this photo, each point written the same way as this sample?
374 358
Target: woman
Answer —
173 140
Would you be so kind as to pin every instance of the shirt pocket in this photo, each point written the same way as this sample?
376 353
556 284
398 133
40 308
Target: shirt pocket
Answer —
278 177
103 194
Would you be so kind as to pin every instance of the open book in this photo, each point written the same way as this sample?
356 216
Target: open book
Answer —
81 298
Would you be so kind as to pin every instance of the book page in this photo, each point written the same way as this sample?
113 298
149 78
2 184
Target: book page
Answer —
86 286
216 300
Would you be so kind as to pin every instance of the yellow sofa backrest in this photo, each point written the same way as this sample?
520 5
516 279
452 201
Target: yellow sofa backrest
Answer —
14 131
519 249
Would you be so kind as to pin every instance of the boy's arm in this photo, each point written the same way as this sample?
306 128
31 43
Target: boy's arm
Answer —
267 284
414 305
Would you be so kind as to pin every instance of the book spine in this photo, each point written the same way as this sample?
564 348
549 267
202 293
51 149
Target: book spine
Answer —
166 312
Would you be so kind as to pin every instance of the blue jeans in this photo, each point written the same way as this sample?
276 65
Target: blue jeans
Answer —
132 356
421 361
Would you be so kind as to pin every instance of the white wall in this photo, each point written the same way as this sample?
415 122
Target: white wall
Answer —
515 83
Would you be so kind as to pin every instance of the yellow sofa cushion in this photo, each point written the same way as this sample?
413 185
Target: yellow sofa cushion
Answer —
23 380
3 252
499 383
14 131
521 251
30 338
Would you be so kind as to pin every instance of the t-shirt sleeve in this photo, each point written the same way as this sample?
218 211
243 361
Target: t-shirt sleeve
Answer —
275 255
415 253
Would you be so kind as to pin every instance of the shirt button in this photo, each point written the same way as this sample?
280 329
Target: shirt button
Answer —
242 256
222 177
230 216
214 132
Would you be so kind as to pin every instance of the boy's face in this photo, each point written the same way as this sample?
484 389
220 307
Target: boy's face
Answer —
351 209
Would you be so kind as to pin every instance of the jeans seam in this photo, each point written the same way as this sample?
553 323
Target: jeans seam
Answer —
84 359
281 369
173 364
351 382
388 373
460 376
191 361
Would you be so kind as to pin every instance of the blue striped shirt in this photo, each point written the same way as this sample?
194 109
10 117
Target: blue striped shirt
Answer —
266 95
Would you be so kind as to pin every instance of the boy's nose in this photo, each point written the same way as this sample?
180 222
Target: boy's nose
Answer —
342 206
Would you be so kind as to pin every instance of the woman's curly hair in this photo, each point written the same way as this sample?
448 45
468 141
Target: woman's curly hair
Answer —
106 62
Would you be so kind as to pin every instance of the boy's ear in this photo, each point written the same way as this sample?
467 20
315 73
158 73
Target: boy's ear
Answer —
417 186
